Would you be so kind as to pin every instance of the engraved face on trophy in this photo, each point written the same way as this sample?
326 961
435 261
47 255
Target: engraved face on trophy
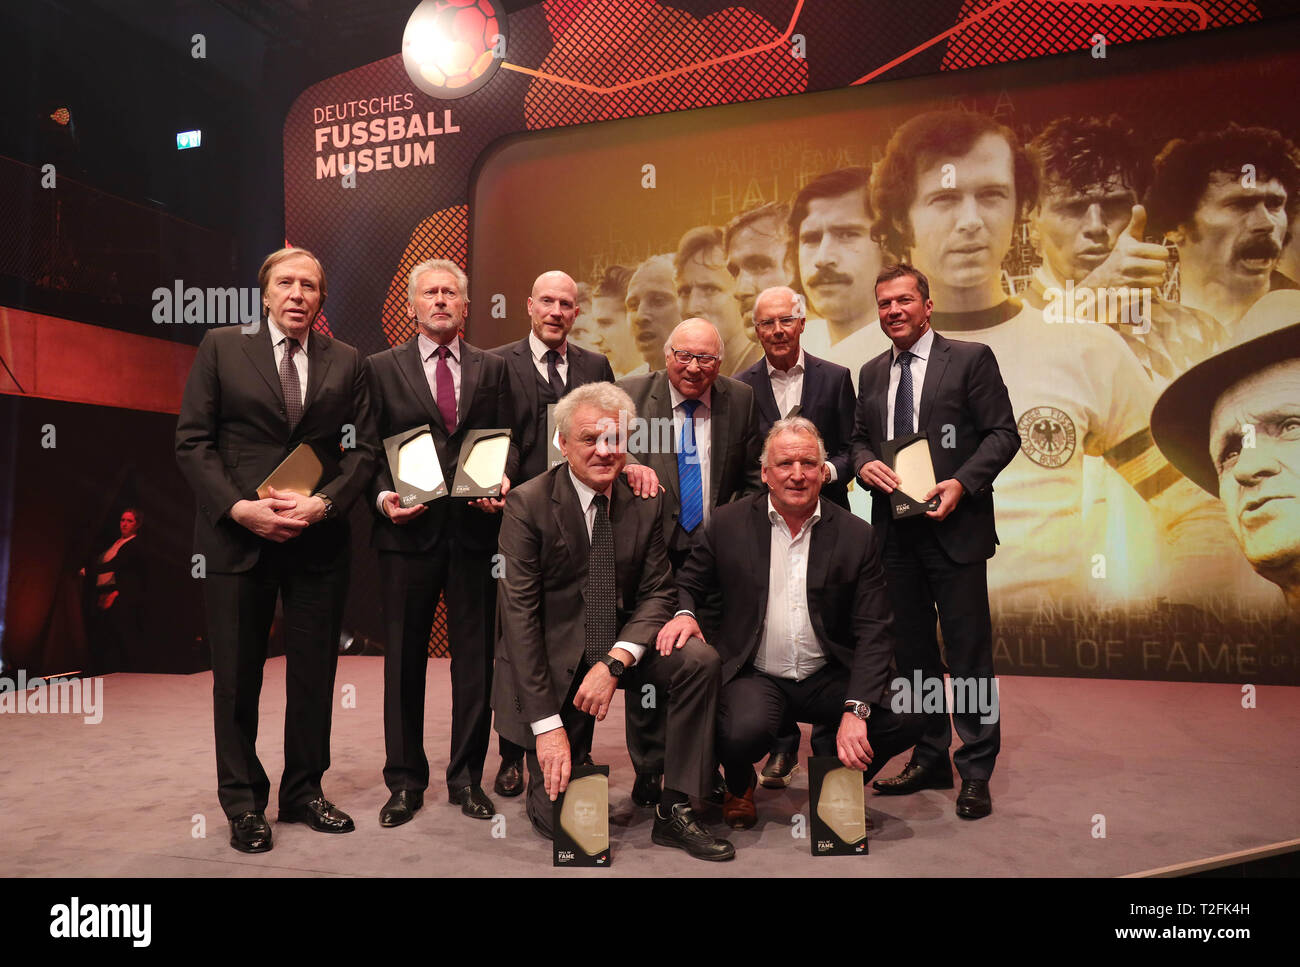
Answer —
584 815
841 805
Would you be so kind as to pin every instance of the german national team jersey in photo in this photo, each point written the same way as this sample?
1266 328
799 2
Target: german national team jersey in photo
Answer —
1076 391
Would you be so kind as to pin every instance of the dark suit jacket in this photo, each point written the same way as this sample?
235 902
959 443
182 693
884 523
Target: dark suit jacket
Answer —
847 601
826 400
963 390
529 413
541 614
232 432
402 401
734 446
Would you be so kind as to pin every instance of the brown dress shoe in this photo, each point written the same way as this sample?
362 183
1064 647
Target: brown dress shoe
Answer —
738 812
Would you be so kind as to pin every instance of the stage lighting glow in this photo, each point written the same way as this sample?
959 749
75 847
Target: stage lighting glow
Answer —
188 139
61 116
453 47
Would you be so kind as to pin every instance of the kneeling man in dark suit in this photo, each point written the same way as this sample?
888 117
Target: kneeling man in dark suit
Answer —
819 645
587 586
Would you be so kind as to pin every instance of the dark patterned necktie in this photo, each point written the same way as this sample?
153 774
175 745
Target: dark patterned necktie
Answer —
446 390
290 385
903 401
553 371
688 470
600 585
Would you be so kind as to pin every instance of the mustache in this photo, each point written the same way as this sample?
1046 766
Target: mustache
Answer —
1259 247
826 276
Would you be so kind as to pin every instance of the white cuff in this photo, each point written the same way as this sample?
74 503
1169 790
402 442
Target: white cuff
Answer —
379 503
834 476
547 724
636 651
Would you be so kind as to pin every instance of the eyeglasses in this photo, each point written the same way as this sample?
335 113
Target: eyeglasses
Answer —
785 322
705 360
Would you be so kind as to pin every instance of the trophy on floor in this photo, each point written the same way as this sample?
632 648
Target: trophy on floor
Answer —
839 808
581 819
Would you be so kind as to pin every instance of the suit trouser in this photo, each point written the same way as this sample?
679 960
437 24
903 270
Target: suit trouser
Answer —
412 583
922 581
643 722
685 685
240 610
754 706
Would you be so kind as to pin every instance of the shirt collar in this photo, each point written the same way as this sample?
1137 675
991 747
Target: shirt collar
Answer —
539 348
585 493
428 347
796 369
775 517
920 349
706 399
278 335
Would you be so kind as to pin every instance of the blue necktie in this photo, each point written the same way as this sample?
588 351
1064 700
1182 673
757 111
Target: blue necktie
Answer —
903 401
688 470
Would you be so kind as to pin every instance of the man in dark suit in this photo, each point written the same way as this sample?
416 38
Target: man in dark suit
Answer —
586 587
442 547
711 459
787 378
953 392
250 400
806 628
543 366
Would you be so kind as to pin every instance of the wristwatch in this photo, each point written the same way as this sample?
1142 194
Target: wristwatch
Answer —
329 504
861 709
616 667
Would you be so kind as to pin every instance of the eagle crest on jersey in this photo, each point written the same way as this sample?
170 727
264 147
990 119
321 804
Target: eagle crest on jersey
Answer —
1047 436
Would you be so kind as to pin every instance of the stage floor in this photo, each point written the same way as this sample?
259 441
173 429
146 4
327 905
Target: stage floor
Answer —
1180 772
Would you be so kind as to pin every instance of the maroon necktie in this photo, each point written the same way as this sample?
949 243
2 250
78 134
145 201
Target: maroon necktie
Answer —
446 390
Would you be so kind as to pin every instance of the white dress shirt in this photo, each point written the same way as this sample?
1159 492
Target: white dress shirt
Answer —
427 349
586 499
539 349
920 357
278 338
787 387
703 439
788 645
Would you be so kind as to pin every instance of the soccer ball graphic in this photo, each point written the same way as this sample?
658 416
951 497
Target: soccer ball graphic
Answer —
452 47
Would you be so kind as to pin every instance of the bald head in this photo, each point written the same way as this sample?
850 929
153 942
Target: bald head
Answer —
695 377
552 307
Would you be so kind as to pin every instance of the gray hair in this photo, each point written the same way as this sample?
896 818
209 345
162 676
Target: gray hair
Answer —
603 396
668 345
793 424
438 265
796 299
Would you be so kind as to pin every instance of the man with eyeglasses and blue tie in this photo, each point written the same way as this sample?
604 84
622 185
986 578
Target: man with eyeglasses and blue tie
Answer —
788 381
713 460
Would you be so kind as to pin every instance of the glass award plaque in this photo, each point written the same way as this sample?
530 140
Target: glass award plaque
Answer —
300 472
414 466
554 456
581 819
838 806
482 463
909 457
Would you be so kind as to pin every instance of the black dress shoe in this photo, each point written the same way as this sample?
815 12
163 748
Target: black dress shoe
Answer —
473 802
682 830
320 814
401 807
718 790
648 788
915 778
974 801
780 769
510 779
250 833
